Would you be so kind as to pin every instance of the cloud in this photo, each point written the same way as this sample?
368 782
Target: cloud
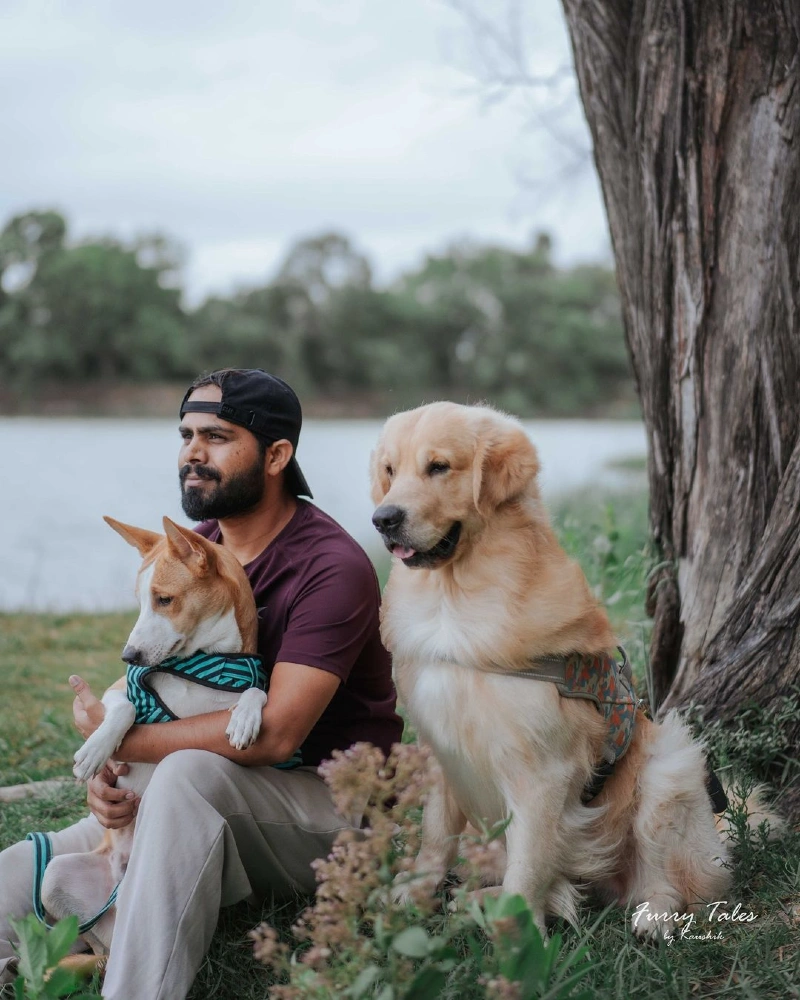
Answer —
238 127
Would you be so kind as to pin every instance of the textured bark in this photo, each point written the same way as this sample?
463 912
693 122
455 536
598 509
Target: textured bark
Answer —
694 109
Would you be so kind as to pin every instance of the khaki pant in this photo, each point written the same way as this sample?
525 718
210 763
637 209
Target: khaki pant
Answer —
209 833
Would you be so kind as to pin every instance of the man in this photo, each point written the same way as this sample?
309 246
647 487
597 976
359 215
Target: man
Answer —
211 832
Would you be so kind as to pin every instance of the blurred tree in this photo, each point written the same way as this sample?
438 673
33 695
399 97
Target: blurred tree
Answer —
510 327
26 238
314 274
474 322
90 311
244 331
23 242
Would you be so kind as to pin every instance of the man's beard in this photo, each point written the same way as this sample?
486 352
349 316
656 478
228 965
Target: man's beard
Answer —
240 493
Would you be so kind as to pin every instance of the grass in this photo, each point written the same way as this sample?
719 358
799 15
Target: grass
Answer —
760 959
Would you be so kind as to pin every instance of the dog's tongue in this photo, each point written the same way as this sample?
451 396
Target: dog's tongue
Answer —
403 553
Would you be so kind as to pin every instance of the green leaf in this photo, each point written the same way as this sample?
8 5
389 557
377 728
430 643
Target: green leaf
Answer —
60 982
507 905
60 939
438 945
32 950
426 985
19 988
412 942
562 986
365 980
477 913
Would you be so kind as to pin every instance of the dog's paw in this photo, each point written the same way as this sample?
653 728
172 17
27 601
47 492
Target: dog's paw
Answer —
461 899
402 891
245 724
91 758
657 918
653 931
413 887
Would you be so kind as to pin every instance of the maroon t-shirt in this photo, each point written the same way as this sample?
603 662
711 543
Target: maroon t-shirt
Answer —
318 599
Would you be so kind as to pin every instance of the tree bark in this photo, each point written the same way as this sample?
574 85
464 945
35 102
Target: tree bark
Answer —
694 109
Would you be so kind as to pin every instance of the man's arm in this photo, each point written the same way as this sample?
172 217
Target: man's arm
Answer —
298 695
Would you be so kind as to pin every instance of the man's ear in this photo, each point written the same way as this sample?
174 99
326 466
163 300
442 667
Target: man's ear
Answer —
379 480
279 455
192 549
505 464
140 538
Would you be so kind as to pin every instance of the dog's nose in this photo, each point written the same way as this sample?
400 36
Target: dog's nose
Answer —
388 518
132 655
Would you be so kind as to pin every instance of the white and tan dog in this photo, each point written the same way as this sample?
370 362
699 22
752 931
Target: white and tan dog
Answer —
194 595
478 589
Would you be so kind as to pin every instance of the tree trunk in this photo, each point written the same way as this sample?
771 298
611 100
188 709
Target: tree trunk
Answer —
694 109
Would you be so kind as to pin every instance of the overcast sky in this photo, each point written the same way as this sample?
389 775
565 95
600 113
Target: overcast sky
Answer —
238 127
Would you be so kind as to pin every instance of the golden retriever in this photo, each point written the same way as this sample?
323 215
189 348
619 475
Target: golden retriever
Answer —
479 587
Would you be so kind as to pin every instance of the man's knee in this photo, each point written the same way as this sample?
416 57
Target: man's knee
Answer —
184 773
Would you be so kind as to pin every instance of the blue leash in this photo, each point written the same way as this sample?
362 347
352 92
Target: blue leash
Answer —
42 856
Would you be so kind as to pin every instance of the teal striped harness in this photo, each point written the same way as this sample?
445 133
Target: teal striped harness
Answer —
223 672
42 856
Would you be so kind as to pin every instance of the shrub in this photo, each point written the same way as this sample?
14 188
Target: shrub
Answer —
358 940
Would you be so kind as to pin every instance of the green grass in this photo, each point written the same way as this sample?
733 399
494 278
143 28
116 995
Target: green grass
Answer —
38 653
609 537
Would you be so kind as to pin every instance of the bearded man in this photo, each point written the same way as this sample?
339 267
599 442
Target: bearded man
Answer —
218 825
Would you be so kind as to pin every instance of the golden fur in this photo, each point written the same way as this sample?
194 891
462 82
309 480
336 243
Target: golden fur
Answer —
510 746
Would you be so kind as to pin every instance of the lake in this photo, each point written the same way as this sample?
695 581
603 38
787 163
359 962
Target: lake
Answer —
63 475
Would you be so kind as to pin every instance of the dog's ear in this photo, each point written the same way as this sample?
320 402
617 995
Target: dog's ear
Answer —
192 549
379 480
505 464
140 538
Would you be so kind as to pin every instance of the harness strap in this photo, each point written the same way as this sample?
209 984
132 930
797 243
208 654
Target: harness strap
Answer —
42 856
608 685
716 792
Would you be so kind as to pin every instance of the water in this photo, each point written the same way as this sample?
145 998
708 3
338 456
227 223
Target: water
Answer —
63 475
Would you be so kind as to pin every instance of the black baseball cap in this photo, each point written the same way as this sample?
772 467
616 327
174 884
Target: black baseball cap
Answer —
262 403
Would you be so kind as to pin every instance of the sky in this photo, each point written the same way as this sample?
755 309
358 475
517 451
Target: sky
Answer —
239 127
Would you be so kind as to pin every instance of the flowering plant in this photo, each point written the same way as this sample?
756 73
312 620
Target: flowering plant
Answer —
358 941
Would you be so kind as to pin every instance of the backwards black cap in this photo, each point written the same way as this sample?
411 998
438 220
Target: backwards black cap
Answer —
262 403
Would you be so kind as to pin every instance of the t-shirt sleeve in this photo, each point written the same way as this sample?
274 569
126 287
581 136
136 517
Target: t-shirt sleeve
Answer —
332 616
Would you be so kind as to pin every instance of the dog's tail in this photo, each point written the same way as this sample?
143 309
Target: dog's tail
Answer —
750 804
84 966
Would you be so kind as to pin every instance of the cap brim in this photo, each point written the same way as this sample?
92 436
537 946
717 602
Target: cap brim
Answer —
296 481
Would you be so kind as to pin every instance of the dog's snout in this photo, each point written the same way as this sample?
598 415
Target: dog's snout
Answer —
132 655
388 518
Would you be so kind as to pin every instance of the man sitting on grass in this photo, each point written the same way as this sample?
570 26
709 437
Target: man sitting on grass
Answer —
218 825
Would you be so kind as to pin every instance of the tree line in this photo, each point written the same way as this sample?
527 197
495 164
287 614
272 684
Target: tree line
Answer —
474 322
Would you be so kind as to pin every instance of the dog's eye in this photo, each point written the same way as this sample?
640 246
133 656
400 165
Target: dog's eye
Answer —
389 471
437 468
163 601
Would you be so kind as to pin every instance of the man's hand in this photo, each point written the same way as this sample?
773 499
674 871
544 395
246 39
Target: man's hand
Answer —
113 807
87 710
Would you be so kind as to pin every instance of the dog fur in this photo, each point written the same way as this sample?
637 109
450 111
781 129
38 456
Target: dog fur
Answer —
210 608
508 747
